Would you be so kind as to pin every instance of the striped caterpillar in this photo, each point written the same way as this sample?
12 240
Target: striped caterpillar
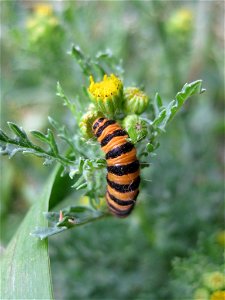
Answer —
122 165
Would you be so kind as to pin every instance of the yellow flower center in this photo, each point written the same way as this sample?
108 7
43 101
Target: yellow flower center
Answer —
108 87
219 295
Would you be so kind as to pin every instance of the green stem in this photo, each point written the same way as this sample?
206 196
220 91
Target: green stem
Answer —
21 144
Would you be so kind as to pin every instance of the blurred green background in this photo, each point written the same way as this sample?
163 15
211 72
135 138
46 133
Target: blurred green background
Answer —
176 233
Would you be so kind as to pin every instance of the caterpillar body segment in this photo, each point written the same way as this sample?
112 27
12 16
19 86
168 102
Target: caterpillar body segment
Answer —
123 177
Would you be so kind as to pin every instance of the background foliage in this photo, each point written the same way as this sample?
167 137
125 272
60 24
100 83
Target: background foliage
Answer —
180 211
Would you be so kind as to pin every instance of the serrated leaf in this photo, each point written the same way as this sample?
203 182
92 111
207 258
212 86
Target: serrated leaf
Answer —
188 90
25 263
173 107
72 217
67 102
159 118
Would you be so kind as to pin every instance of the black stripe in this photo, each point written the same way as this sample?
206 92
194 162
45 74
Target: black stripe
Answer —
106 124
121 170
109 137
120 202
118 212
126 147
125 188
100 120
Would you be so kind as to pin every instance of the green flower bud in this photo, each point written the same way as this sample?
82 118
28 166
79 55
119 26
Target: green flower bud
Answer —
201 294
136 128
181 22
87 121
107 95
214 280
135 101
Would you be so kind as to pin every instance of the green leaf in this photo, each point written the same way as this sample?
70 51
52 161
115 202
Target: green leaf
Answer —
66 100
167 114
39 135
25 266
103 55
3 136
22 144
54 123
160 118
82 60
77 53
44 232
188 90
17 130
73 216
157 103
52 142
150 148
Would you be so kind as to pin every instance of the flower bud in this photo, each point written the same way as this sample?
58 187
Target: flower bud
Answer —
135 127
201 294
181 22
107 95
86 122
135 101
214 280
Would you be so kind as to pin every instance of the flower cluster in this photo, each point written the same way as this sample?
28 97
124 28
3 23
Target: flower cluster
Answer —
213 287
111 99
41 22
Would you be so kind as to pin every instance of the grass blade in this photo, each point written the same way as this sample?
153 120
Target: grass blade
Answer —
25 268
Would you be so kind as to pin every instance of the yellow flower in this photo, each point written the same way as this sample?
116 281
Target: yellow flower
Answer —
43 10
107 95
219 295
214 280
201 294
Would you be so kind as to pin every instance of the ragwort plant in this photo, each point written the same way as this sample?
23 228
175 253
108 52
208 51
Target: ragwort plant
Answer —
25 263
144 118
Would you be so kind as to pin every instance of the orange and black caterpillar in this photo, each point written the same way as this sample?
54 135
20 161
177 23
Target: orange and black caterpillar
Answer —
122 166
